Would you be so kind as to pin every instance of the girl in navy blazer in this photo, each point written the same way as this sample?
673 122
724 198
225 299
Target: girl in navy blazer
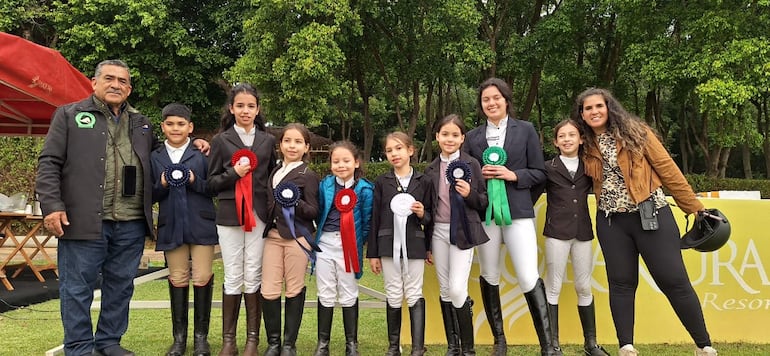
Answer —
569 233
454 234
287 243
400 252
240 229
523 170
186 232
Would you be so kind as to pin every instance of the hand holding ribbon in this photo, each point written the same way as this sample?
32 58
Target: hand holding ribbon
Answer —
243 193
177 176
401 205
457 170
345 201
498 198
287 194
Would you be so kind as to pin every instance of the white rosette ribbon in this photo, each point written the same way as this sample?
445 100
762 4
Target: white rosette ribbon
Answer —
401 205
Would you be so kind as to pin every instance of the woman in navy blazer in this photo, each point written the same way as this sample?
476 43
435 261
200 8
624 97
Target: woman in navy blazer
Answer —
523 170
242 128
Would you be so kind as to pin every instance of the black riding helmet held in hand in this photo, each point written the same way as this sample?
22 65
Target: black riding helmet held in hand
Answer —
710 231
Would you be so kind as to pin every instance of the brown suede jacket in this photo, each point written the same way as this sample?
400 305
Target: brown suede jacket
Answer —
644 174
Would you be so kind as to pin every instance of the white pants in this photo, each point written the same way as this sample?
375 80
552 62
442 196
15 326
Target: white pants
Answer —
556 254
521 241
453 266
242 257
334 284
404 282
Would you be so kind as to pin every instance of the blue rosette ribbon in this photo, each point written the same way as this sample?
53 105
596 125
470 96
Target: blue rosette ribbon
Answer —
287 195
455 170
498 207
177 176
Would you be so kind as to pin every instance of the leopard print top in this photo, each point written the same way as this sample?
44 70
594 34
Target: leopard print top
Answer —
614 197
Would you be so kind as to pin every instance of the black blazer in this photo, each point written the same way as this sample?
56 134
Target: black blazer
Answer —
222 176
566 215
380 242
306 211
200 206
525 158
475 204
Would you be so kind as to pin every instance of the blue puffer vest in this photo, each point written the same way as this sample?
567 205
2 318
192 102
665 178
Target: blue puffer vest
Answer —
362 212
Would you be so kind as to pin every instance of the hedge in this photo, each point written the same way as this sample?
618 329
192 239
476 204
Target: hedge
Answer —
18 156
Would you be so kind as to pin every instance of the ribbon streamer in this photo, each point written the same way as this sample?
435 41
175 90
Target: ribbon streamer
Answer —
345 201
243 194
498 207
401 205
177 176
457 170
287 194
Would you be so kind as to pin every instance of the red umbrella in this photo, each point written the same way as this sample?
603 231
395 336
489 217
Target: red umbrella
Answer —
34 81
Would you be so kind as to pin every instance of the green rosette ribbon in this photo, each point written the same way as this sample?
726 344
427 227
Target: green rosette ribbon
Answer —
498 199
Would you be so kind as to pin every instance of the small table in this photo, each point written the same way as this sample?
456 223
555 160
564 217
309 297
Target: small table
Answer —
6 220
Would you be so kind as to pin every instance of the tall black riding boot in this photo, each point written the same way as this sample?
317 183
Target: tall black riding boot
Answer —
253 316
464 317
231 307
490 296
553 319
202 318
538 308
293 315
417 321
350 322
393 316
450 328
588 321
324 329
179 302
271 312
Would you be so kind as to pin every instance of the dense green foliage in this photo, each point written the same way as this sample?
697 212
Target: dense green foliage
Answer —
696 71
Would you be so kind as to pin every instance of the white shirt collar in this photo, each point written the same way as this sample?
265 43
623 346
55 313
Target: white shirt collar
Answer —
175 153
451 157
347 184
501 125
242 131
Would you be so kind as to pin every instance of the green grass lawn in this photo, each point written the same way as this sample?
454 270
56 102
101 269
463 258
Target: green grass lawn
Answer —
36 329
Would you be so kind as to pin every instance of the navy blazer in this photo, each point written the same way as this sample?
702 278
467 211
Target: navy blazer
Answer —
200 206
475 203
525 158
566 215
306 211
222 176
380 242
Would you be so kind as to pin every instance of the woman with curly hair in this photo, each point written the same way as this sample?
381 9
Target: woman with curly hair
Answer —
629 167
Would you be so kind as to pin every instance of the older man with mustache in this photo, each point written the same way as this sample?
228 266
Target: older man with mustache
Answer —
94 187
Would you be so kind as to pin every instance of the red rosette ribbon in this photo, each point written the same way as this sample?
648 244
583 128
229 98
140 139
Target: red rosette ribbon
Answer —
345 201
243 194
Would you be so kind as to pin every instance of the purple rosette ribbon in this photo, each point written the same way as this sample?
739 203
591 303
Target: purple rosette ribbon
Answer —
287 195
177 177
455 170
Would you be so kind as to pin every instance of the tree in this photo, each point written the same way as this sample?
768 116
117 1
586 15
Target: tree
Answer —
176 50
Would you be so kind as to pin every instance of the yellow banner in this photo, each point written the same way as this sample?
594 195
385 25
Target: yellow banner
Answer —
732 284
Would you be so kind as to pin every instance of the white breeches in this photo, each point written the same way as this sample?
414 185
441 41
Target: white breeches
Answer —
242 257
557 252
521 242
334 284
453 266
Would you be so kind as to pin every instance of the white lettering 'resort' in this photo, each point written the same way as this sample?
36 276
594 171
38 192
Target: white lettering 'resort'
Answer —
711 300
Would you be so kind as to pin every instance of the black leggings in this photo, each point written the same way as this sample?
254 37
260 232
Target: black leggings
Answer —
623 240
